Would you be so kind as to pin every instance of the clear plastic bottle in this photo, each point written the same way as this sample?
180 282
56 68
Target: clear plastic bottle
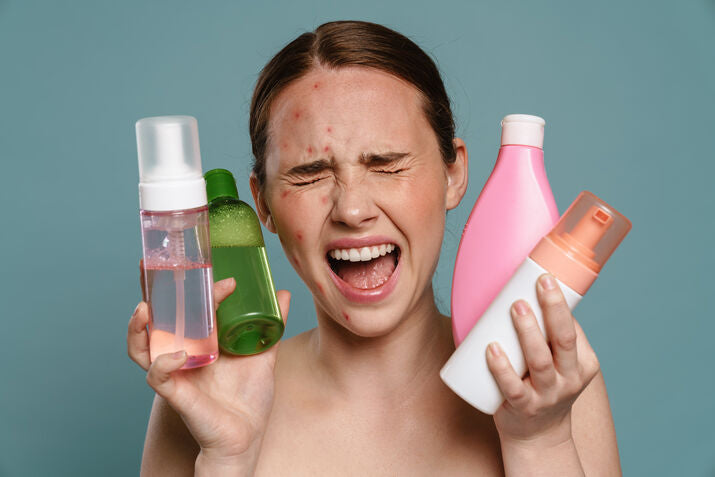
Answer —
177 277
249 320
574 252
514 210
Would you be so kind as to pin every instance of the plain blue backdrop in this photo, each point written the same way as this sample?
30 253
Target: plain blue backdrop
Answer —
626 88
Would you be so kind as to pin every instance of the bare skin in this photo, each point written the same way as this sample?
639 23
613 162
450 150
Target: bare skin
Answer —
360 394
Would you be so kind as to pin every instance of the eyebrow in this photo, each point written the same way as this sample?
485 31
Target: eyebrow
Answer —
311 167
370 159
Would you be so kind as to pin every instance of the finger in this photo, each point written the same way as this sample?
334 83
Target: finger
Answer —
559 325
138 338
283 297
223 289
588 361
160 378
533 343
510 384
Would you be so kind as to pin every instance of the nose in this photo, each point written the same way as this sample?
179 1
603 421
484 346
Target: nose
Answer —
354 205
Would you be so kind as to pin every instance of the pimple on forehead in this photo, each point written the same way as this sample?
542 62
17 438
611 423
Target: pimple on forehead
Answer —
316 85
326 148
310 149
329 129
296 114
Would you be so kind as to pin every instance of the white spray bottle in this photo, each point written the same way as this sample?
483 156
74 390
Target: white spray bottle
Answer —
574 253
177 279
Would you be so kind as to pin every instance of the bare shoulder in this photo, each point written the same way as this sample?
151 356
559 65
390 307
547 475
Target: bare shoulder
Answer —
593 430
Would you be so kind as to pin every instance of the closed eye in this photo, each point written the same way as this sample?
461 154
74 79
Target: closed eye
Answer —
385 171
305 183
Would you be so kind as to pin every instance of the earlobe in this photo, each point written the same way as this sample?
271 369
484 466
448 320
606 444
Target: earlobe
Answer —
457 175
264 213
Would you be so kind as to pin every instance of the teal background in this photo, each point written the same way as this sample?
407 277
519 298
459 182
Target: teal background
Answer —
627 89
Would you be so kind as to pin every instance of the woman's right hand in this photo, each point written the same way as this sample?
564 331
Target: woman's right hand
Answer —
225 405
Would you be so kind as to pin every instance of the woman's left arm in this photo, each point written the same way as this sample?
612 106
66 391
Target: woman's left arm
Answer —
556 420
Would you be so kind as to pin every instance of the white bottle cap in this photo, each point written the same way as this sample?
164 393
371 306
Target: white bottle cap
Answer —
170 176
523 130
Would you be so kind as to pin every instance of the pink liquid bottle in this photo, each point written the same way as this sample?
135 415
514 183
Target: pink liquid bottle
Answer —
177 279
515 209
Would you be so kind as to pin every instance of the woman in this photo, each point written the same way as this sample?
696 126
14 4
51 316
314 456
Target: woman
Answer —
355 154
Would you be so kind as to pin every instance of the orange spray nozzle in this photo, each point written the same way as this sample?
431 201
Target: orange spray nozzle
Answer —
589 231
582 241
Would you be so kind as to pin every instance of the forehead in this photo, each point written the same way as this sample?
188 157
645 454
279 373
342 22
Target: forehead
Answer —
352 104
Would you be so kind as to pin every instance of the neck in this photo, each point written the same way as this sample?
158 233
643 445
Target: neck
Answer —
389 367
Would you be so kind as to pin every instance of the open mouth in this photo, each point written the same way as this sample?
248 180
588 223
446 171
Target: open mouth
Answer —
365 268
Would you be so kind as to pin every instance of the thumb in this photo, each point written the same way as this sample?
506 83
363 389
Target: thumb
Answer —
223 290
284 302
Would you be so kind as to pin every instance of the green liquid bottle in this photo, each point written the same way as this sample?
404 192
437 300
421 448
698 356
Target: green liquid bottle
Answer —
249 321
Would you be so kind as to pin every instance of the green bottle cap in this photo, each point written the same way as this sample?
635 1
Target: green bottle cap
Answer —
220 183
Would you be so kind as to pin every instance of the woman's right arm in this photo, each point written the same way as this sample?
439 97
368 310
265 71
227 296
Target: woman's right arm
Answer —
207 420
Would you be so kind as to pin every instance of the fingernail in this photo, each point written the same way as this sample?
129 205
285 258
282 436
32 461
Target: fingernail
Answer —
136 309
548 282
495 349
521 308
178 354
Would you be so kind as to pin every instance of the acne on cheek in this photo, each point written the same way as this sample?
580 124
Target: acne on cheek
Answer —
284 194
345 315
299 236
324 199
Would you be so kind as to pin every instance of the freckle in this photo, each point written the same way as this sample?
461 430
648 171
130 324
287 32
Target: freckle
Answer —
284 194
345 315
310 149
299 235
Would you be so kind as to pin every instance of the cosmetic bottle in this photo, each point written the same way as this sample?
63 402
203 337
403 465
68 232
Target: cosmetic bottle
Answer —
515 209
177 278
249 320
574 253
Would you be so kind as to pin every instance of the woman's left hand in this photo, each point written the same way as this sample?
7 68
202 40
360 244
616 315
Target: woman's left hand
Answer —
537 408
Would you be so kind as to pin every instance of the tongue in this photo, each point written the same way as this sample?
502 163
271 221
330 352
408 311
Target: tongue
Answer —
365 275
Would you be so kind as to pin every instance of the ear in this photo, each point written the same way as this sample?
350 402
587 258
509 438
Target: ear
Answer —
259 197
457 175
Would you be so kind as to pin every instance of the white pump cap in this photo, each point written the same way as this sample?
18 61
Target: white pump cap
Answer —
523 130
170 176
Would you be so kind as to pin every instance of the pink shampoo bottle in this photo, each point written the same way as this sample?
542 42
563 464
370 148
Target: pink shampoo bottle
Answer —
515 209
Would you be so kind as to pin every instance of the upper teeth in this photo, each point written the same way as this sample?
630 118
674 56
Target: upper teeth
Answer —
361 254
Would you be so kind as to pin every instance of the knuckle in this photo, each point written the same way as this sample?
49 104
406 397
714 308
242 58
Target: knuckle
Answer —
541 364
515 394
567 339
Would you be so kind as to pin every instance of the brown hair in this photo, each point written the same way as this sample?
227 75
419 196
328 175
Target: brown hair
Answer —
351 43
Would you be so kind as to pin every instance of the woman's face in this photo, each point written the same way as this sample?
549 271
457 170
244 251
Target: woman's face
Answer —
357 191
